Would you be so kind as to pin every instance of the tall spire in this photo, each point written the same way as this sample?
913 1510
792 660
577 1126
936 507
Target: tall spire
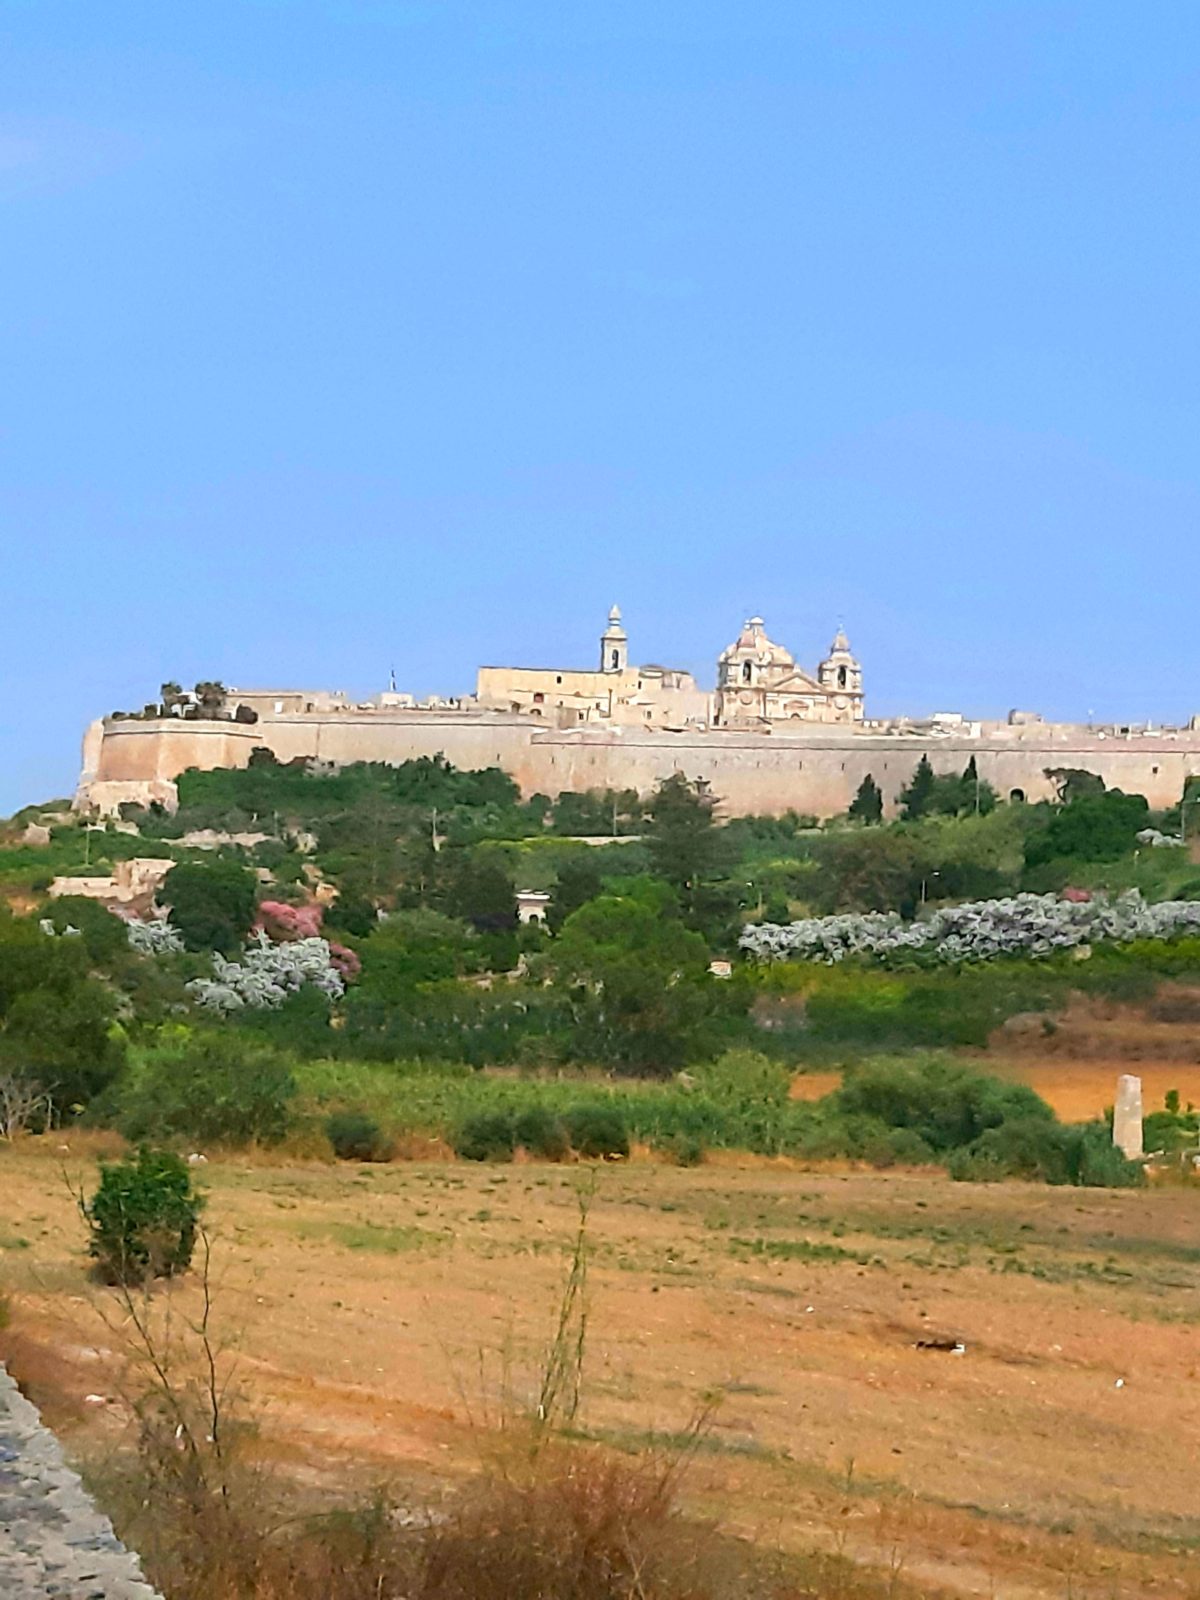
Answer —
614 645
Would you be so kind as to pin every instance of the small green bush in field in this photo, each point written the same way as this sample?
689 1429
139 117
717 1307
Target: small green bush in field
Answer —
355 1136
541 1133
143 1218
598 1133
487 1136
683 1149
1082 1154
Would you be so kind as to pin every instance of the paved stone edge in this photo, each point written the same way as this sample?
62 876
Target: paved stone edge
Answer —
54 1542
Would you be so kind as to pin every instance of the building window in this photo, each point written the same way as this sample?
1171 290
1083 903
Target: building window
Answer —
539 698
558 679
747 670
841 677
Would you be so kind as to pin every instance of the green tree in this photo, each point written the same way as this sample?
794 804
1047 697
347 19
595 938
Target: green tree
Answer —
104 935
413 948
1074 783
212 903
579 880
1099 827
877 869
867 805
916 796
638 985
58 1024
211 696
480 892
685 845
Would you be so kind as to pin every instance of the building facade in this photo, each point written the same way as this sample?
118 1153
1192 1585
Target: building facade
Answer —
613 693
759 683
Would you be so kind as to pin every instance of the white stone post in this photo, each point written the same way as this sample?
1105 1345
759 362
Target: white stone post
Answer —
1127 1116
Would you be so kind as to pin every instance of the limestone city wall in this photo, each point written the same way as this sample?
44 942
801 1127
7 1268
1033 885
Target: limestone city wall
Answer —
816 771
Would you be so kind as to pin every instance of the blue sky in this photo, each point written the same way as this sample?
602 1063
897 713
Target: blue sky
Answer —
338 336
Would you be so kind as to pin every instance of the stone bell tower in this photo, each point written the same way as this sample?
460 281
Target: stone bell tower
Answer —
614 645
840 675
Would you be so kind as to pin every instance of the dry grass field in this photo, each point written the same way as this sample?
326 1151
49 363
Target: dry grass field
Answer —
385 1319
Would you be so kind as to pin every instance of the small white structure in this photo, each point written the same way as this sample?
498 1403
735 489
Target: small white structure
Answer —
532 905
1127 1117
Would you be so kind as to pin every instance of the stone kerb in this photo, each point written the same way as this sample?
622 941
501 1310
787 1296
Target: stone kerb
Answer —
53 1540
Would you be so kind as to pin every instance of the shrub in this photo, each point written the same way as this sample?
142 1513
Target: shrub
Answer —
946 1103
486 1136
355 1136
898 1147
212 903
1082 1154
215 1088
682 1149
541 1133
143 1218
598 1133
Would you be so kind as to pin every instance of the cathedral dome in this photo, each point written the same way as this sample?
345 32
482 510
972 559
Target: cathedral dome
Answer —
753 644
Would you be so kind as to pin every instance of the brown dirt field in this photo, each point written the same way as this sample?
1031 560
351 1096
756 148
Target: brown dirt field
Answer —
383 1318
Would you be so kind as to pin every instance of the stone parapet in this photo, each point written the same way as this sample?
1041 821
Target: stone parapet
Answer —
53 1540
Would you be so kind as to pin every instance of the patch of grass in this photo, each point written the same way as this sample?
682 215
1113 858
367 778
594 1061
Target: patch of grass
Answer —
372 1236
800 1250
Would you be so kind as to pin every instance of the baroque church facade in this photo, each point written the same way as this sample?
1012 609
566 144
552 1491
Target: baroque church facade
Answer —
758 684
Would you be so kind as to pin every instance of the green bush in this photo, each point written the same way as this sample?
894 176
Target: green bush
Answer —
541 1133
355 1136
216 1088
211 903
897 1147
946 1103
486 1136
1082 1154
683 1149
598 1133
143 1218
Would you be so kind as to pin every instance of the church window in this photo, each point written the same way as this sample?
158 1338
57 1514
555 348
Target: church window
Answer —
616 660
747 670
841 677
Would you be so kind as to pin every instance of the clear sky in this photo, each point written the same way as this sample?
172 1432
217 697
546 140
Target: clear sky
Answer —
344 334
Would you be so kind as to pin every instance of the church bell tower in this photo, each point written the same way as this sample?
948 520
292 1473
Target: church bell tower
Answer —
614 645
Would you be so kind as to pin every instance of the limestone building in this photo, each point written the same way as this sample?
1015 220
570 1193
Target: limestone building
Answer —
759 683
614 693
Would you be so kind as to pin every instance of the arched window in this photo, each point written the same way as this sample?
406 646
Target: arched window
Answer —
1017 796
841 677
747 671
616 659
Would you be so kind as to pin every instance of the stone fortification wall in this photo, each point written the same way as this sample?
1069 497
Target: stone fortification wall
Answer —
816 770
53 1541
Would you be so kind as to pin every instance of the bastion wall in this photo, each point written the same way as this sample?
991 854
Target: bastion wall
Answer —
817 770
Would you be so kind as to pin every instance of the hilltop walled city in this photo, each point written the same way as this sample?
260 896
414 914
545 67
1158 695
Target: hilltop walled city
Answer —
770 737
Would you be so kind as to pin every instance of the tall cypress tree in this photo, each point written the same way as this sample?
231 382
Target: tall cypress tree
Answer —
867 805
915 797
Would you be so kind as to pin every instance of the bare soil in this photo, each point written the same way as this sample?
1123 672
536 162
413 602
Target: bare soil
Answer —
386 1320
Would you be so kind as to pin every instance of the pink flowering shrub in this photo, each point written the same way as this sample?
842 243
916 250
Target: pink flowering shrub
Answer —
283 922
344 961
